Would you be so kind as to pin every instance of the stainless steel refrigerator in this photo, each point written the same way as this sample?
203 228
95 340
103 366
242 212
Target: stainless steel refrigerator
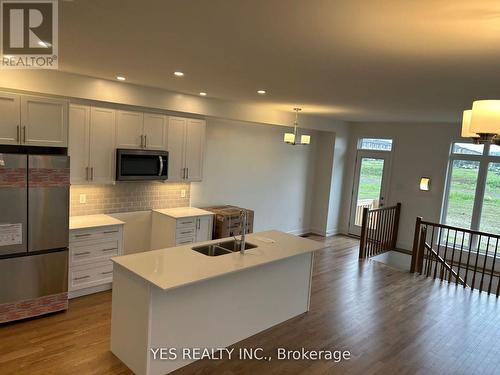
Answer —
34 232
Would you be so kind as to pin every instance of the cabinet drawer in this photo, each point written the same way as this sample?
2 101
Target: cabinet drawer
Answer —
186 222
184 241
102 233
83 252
185 232
85 277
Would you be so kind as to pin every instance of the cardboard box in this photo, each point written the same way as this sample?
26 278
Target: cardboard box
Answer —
227 221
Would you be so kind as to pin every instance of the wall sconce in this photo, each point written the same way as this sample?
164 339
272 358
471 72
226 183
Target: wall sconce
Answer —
425 183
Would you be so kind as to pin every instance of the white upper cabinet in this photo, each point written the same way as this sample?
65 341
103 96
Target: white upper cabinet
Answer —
10 118
175 147
78 145
155 131
102 145
44 121
195 141
129 129
32 120
186 140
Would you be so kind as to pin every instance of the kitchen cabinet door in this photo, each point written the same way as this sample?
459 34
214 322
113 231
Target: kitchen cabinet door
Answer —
129 129
175 148
155 131
44 121
203 228
195 140
102 145
78 144
10 119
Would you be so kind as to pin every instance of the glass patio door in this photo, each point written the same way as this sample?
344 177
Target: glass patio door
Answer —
370 185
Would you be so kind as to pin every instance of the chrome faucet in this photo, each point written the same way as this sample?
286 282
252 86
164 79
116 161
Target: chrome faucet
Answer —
243 229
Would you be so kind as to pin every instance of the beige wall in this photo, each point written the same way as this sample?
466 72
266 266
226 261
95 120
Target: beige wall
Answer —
128 196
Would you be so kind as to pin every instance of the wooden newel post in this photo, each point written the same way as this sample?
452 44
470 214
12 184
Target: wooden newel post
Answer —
421 250
362 242
415 249
395 228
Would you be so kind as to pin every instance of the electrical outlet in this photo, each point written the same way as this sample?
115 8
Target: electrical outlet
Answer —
183 193
83 198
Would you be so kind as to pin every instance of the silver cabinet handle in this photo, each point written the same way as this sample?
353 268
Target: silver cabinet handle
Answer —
145 141
187 173
110 231
83 235
142 141
87 173
83 253
24 134
183 242
92 173
199 223
110 249
81 278
106 273
18 134
186 232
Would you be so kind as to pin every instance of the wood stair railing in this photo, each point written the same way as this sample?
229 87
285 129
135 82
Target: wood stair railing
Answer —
462 256
379 230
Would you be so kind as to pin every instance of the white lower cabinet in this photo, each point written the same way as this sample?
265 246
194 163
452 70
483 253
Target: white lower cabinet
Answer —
168 231
90 252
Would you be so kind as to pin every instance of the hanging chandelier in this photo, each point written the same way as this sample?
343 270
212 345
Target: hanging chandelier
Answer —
291 138
482 122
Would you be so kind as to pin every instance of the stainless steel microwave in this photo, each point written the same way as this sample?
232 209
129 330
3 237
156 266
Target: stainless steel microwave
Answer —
140 165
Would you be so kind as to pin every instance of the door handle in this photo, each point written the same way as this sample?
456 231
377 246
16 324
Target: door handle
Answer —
24 134
92 173
18 134
87 173
142 141
145 141
187 173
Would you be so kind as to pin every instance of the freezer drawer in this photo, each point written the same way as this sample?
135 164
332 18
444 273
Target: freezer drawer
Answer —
13 203
29 277
48 196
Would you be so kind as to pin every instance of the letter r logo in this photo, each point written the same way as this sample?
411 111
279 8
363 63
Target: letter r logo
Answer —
27 27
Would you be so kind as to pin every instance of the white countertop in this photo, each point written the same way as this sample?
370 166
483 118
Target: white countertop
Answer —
178 266
180 212
92 221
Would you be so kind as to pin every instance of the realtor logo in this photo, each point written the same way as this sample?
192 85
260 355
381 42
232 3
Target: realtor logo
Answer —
29 34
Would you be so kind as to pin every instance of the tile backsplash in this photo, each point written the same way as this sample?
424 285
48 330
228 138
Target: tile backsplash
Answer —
127 196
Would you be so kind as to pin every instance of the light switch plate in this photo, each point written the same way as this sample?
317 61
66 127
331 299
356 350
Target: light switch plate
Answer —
183 193
83 198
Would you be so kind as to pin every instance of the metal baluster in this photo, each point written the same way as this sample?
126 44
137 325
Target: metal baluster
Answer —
493 268
468 259
437 252
473 285
484 265
452 256
460 257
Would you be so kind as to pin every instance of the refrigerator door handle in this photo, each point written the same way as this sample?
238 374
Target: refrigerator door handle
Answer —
92 173
18 134
24 134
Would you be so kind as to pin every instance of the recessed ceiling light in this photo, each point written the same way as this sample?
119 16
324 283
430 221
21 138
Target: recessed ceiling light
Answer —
203 93
261 92
120 78
178 74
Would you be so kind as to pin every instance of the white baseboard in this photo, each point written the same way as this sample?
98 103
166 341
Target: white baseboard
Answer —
299 232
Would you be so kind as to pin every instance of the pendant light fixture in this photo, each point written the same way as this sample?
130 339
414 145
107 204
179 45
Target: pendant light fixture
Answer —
291 138
482 122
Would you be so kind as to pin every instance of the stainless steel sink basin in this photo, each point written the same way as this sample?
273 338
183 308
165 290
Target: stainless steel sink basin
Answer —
222 248
211 250
234 245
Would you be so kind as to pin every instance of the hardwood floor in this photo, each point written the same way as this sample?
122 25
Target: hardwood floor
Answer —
391 322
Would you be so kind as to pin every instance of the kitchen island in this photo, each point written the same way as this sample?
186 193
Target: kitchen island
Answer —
182 299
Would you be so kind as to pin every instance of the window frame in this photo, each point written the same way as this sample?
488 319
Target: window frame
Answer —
484 161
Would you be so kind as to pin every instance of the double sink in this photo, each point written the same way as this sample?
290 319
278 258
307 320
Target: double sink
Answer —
222 248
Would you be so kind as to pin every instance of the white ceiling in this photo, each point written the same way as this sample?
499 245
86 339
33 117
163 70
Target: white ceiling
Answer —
360 60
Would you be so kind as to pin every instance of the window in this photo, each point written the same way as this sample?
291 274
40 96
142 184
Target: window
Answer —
375 144
472 198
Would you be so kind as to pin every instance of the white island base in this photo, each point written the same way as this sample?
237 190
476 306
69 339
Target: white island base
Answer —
212 313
